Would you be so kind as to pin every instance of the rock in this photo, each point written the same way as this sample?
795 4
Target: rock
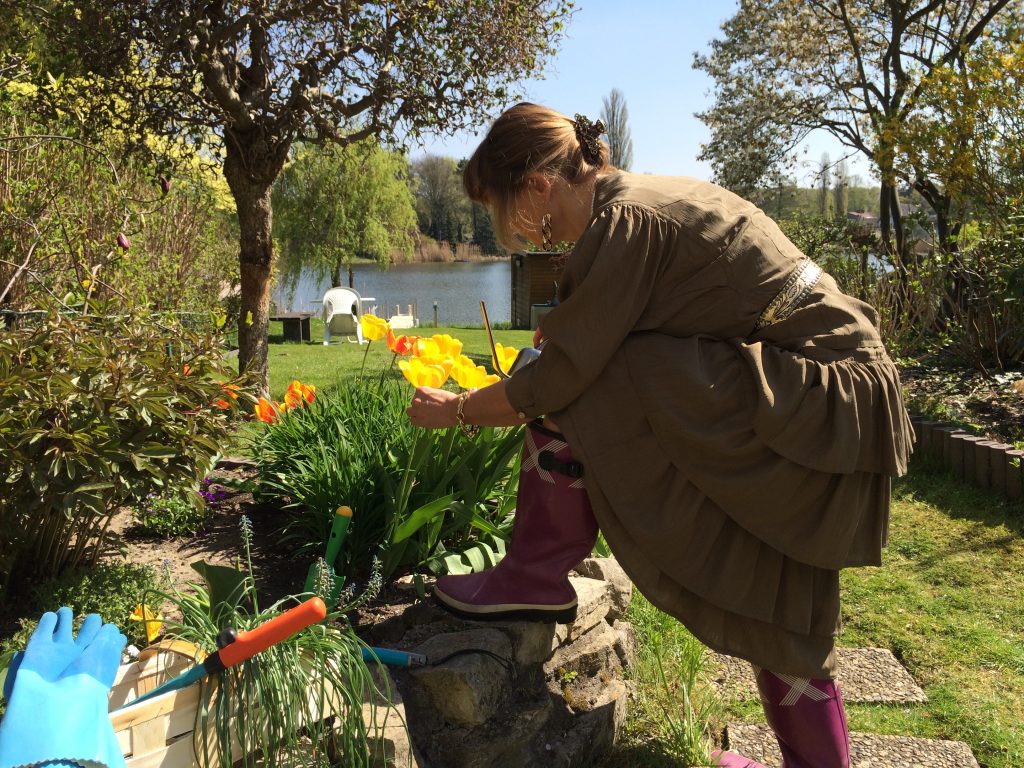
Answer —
510 741
467 688
625 645
540 695
589 654
388 738
595 602
531 640
608 569
593 731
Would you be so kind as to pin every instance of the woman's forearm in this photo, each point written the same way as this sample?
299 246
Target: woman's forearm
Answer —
490 407
438 408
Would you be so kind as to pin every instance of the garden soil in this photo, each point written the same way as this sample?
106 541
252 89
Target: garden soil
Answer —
276 571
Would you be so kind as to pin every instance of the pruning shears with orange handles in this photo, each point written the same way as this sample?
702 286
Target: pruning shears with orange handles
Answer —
238 647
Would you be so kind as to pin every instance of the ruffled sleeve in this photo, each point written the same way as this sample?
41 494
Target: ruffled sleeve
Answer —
611 274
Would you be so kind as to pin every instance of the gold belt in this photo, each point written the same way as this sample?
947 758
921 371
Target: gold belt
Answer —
796 288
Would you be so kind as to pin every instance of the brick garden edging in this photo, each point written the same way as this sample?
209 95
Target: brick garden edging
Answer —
984 463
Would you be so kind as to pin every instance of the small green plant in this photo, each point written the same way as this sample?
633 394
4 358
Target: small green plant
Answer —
670 670
171 515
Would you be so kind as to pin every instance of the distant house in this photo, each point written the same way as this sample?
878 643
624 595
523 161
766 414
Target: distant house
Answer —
866 224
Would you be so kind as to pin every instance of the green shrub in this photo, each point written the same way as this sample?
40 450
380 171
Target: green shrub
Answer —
171 515
984 302
439 494
112 591
98 410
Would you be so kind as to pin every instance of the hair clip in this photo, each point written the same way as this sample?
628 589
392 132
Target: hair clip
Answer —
587 133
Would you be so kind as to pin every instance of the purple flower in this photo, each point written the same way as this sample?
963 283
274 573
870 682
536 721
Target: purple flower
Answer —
165 184
122 241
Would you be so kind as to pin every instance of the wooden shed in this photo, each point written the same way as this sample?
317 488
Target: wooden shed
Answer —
534 277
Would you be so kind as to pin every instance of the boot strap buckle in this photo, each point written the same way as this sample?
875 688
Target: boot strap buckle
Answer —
547 461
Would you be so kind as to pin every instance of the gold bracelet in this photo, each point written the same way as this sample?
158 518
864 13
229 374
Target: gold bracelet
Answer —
469 430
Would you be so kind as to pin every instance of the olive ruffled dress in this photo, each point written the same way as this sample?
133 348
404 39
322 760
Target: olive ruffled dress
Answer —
736 458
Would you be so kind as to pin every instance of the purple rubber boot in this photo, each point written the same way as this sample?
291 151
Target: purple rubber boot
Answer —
554 530
732 760
808 719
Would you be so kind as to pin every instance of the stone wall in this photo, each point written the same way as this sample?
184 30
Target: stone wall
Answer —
514 693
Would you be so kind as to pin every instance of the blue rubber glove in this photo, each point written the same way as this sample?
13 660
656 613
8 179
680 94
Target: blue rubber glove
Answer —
57 696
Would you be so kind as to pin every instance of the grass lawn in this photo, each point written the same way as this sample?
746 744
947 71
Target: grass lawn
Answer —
947 602
313 363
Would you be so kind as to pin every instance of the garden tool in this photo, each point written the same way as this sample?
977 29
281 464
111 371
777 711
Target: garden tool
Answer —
339 529
526 355
57 691
392 657
554 530
236 648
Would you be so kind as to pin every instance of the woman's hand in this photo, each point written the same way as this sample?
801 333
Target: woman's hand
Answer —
433 408
538 337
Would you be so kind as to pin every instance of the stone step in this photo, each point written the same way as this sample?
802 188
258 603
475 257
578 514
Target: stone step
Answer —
865 675
867 750
594 604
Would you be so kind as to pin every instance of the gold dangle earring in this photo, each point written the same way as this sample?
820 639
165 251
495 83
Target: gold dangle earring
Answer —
545 230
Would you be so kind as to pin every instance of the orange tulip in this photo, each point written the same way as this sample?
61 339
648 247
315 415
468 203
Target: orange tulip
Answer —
267 411
299 394
401 345
231 390
222 404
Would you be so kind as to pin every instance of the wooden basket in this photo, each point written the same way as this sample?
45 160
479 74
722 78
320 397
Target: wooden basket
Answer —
157 732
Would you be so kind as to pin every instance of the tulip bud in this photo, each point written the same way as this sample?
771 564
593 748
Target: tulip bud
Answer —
122 241
165 184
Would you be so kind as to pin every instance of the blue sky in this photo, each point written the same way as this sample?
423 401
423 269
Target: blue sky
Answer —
645 49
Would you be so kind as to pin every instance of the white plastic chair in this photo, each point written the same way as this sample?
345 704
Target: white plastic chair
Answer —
342 309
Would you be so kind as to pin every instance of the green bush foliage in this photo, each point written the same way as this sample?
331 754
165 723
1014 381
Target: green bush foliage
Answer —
985 304
98 410
65 200
111 590
419 497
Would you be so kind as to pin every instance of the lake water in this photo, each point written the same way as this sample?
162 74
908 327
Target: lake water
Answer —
457 288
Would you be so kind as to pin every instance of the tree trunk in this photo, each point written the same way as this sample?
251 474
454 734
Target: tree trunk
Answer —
351 276
256 259
894 242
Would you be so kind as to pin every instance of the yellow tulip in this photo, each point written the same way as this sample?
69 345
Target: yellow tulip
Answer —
426 371
153 621
505 357
374 328
483 378
447 346
464 372
469 375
